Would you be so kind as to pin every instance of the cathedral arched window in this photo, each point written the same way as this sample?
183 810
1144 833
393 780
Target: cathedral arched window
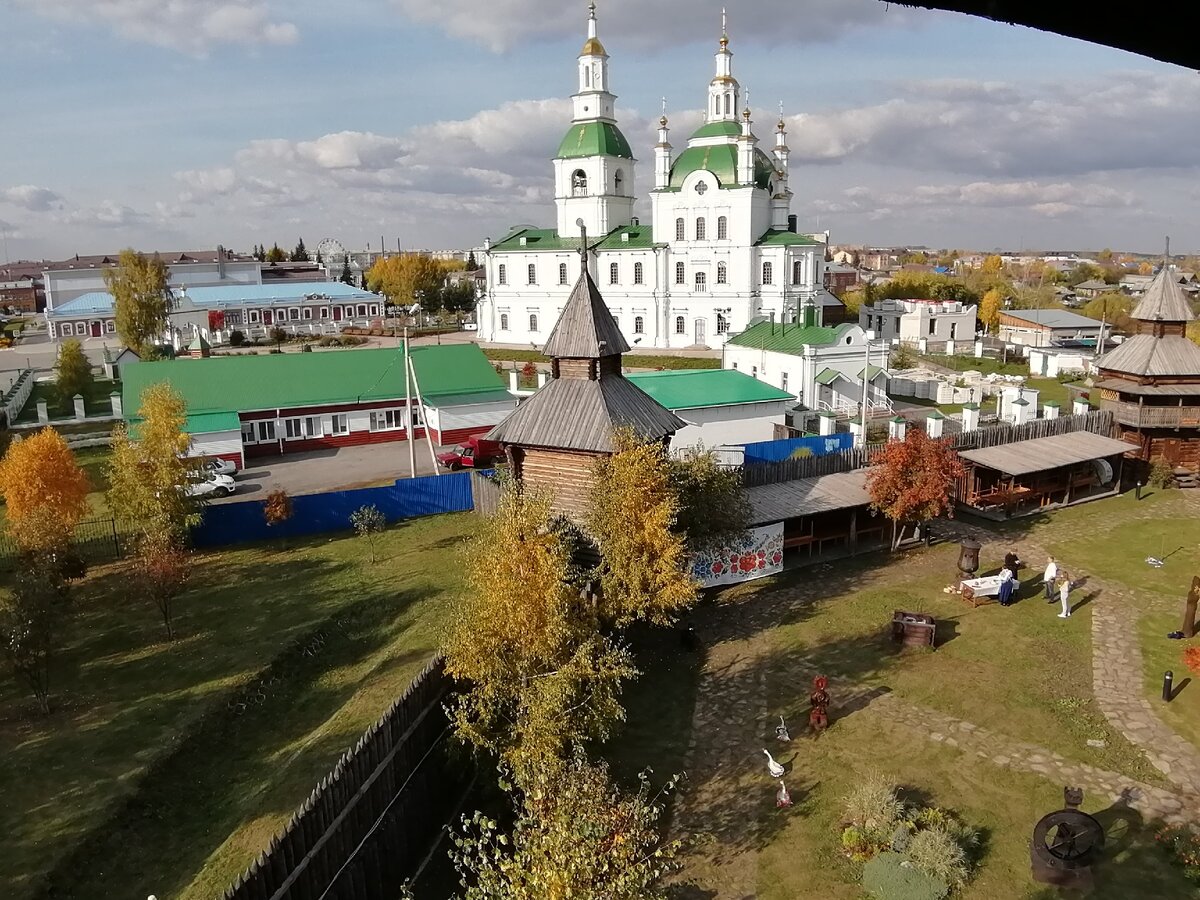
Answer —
768 273
579 183
502 274
638 273
614 273
701 282
587 76
619 183
680 325
680 275
722 274
716 106
531 271
562 273
701 229
679 235
533 322
722 228
728 107
639 325
722 324
797 272
504 321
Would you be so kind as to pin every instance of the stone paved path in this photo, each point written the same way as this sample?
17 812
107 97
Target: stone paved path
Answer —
1152 802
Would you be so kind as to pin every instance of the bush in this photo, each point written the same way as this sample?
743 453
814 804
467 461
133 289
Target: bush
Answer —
306 348
1162 476
327 341
237 338
938 855
352 341
875 810
1191 659
275 350
529 370
1183 849
889 876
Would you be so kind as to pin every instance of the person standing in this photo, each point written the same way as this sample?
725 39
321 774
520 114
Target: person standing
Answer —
1006 586
1012 562
1064 592
1050 578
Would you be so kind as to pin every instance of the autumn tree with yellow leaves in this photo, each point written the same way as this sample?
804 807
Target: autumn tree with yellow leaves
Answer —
406 278
989 309
45 492
148 489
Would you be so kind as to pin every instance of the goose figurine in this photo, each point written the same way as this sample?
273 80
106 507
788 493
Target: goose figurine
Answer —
781 731
773 767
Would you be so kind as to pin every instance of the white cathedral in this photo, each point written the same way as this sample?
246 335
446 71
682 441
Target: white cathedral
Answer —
720 251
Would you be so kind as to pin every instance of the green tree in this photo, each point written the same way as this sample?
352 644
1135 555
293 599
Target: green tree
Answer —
260 253
362 282
575 835
555 685
1112 307
275 255
459 298
368 524
347 275
72 373
32 620
300 254
142 299
472 265
713 506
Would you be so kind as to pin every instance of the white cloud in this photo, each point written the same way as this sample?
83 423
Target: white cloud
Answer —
503 25
193 26
1123 120
1041 198
31 197
107 214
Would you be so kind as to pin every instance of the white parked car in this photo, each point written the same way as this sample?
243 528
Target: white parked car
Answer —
211 485
218 467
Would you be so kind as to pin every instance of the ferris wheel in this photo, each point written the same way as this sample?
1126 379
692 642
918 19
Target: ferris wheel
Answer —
331 250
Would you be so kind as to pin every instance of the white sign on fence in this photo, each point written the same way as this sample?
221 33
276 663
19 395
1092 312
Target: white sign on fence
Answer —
756 554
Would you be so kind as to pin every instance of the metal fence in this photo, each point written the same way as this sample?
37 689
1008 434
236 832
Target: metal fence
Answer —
97 541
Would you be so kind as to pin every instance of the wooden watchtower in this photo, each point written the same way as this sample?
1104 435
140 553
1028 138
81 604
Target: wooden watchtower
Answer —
554 438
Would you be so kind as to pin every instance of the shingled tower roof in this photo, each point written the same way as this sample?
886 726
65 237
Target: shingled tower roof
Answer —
1164 300
587 397
585 329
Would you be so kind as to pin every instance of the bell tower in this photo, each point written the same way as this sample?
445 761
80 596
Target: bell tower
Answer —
594 166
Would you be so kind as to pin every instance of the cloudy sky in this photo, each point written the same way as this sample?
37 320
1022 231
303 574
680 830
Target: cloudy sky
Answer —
188 123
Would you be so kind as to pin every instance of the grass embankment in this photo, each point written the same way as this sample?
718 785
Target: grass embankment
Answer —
80 795
1020 672
631 360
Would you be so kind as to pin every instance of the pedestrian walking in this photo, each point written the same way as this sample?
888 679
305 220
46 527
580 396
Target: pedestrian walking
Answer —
1064 592
1006 586
1050 578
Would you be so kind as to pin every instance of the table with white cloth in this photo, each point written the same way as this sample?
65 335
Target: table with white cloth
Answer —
976 590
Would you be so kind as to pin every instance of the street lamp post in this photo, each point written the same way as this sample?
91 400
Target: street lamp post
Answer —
868 336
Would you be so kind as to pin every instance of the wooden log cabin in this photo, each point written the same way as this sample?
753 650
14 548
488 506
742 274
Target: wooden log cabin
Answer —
553 439
1151 382
823 515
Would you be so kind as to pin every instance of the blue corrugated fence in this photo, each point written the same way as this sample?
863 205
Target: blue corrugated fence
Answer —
235 523
777 451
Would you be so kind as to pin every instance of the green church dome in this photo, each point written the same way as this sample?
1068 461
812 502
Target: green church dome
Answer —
721 160
594 139
718 129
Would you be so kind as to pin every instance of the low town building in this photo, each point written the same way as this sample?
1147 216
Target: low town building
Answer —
722 408
840 277
1094 287
822 366
1151 382
247 406
1048 328
910 321
298 307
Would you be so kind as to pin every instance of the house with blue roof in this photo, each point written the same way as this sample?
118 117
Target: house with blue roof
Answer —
313 307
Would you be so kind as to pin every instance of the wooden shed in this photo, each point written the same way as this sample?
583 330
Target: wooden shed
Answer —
820 515
554 438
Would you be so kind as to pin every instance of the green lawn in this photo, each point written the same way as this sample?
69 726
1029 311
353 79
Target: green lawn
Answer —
81 798
1019 672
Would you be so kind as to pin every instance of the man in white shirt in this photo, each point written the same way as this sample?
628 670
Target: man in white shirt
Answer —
1049 578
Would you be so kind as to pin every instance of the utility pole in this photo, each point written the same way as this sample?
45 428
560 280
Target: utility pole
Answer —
408 411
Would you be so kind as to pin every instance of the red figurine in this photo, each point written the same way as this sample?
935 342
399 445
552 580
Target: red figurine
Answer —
818 717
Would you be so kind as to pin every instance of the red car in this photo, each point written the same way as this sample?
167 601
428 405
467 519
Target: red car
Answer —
476 453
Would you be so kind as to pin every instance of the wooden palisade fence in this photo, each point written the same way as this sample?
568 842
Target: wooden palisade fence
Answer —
369 823
756 474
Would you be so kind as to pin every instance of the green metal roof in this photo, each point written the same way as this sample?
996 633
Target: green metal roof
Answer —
641 237
721 160
828 376
202 423
874 370
776 238
692 389
717 129
594 139
789 338
232 384
535 239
